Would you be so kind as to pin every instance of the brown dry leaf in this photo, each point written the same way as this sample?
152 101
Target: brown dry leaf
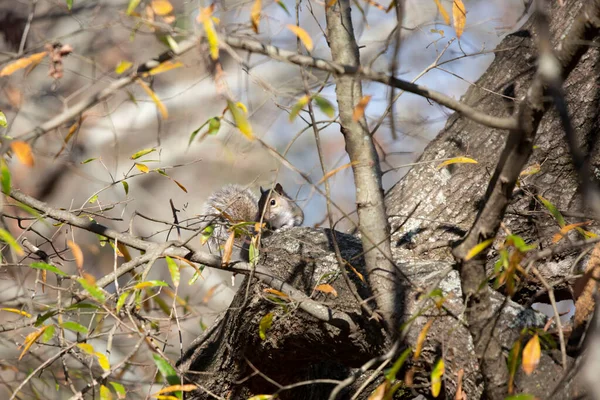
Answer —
421 339
255 15
161 107
161 7
531 355
585 287
302 35
31 339
77 253
460 394
442 11
359 110
23 152
327 288
23 63
209 294
379 393
565 229
335 171
459 14
228 249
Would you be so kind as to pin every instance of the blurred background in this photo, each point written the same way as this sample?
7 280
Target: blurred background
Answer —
103 36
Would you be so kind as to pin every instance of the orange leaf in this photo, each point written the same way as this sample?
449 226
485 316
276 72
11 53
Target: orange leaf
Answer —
359 110
565 229
255 15
228 249
23 152
335 171
275 292
209 293
161 107
31 339
379 393
442 11
174 388
327 288
164 67
161 7
77 253
531 355
421 339
360 276
460 17
23 63
302 35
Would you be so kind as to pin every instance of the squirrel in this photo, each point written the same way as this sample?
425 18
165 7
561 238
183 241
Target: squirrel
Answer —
233 204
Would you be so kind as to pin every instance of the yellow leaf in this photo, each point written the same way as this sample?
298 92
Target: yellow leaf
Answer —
478 249
161 7
298 106
436 378
23 152
457 160
275 292
16 311
164 67
565 229
240 119
442 11
31 339
103 361
23 63
421 339
122 67
326 288
531 354
459 15
175 388
86 347
77 253
105 393
209 28
302 35
142 167
161 107
255 15
359 110
228 249
180 185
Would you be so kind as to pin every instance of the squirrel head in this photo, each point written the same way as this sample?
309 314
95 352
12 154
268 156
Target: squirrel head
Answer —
278 209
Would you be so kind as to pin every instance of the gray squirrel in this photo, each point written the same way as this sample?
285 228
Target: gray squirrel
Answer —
234 204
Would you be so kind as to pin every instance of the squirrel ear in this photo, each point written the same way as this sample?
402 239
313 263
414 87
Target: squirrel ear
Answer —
279 189
262 191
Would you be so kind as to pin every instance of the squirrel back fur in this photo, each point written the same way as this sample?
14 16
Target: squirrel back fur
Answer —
233 204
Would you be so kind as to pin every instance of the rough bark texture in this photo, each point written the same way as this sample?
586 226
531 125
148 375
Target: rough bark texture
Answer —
427 206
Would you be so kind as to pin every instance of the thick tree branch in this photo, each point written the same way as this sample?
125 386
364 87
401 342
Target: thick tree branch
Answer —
381 272
512 161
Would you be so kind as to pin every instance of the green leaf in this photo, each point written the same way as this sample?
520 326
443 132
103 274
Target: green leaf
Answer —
324 105
126 187
3 121
48 267
553 210
48 333
194 278
142 153
75 327
193 135
392 372
69 4
166 370
82 306
478 248
4 177
521 396
214 125
132 5
122 67
173 270
7 238
264 325
282 5
42 318
93 199
93 290
121 301
89 160
119 389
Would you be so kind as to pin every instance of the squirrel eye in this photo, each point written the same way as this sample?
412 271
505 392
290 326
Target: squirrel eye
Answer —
273 202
